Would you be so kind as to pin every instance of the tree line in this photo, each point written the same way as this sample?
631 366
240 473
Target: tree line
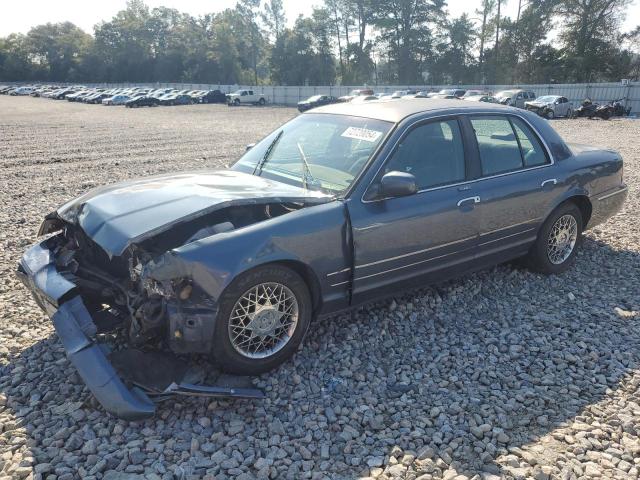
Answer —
350 42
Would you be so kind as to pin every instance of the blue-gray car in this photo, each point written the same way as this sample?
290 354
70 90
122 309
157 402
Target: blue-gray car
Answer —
340 206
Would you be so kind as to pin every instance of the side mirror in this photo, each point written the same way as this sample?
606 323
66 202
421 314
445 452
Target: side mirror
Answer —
249 147
395 184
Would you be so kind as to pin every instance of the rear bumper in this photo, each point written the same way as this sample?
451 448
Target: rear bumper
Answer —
60 299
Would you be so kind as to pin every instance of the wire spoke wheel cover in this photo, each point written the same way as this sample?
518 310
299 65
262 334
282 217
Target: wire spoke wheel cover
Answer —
562 239
263 320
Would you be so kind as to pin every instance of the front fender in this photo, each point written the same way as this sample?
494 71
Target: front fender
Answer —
314 236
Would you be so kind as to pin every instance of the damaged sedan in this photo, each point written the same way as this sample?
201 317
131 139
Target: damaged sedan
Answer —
340 206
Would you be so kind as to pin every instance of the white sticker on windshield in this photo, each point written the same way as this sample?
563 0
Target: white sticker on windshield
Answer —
362 134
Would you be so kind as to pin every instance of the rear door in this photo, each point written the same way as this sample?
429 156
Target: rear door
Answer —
516 185
397 240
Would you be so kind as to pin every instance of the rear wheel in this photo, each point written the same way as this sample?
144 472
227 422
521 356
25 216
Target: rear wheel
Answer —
262 101
555 248
262 319
569 113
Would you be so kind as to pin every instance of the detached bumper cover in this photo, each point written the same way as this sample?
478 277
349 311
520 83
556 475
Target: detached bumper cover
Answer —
73 323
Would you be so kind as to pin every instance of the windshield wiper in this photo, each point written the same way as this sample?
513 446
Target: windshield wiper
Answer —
267 154
306 175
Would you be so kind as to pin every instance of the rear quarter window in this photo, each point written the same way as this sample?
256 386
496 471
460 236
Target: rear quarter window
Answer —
533 153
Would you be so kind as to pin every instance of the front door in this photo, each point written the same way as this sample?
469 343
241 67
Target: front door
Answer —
409 239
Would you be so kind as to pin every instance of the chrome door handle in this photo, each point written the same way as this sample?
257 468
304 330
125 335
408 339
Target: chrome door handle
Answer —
469 199
552 181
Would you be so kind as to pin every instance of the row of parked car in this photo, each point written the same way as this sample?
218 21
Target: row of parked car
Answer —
517 98
132 97
548 106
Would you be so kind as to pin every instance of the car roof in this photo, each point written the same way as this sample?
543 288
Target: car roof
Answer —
405 107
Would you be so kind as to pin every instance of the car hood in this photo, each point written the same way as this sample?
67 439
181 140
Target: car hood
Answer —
535 103
116 216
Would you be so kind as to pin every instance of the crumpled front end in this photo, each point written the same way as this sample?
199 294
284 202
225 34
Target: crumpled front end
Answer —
59 296
538 108
87 294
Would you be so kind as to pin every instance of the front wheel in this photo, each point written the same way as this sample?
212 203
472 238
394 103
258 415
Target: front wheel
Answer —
555 248
549 114
262 319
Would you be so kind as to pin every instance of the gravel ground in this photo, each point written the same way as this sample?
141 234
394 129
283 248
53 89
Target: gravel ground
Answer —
500 374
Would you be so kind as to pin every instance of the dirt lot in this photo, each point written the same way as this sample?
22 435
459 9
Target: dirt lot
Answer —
499 374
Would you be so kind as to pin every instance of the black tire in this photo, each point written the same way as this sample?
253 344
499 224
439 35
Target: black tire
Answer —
538 257
223 351
549 114
262 101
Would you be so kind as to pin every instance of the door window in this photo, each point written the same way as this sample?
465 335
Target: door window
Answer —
497 143
433 153
507 144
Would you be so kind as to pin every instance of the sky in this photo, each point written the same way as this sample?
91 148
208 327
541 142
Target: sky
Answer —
19 17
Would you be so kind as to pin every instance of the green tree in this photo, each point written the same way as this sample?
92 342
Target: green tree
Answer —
530 34
486 11
301 55
126 44
59 48
274 17
407 26
589 32
456 62
252 37
15 62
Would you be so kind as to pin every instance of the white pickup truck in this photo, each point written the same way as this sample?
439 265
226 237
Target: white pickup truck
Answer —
245 96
